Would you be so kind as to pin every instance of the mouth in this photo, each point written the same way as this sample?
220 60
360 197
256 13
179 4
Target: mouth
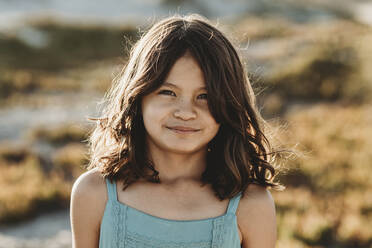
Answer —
182 129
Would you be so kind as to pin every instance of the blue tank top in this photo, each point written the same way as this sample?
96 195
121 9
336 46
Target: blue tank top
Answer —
125 227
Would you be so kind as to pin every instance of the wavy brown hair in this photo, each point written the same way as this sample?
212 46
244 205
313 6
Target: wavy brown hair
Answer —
240 154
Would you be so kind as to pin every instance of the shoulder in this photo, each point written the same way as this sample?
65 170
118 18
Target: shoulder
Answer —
257 218
89 196
90 185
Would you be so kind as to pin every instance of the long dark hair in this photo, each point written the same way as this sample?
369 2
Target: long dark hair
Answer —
240 154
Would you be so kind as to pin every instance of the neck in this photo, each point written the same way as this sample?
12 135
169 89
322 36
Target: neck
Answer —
177 168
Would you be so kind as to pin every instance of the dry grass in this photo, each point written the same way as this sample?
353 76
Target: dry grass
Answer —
25 85
58 135
328 200
69 161
327 61
328 197
73 58
26 189
30 183
254 28
63 45
327 203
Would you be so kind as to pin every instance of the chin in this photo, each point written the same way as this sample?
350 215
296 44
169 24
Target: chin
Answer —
182 149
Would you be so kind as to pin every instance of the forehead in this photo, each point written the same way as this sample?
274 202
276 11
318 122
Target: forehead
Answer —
186 72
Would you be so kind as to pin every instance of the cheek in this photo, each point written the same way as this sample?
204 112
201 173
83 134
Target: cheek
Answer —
152 114
149 116
216 127
212 125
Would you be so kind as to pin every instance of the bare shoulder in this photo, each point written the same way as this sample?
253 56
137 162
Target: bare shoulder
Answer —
88 201
90 186
257 218
256 194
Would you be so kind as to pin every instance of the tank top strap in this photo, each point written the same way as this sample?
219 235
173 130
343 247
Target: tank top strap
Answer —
233 203
111 190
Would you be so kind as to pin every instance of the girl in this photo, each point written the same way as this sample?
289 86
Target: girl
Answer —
179 158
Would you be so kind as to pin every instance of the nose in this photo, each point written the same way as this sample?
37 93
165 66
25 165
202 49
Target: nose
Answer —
185 110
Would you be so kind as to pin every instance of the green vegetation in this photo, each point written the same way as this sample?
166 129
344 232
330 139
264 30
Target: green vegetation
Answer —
68 59
63 46
58 135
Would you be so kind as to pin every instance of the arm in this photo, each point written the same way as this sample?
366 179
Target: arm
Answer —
257 219
88 200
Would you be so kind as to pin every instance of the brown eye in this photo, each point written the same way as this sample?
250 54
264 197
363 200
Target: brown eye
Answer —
203 96
167 92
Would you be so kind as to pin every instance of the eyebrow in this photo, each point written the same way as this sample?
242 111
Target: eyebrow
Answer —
175 86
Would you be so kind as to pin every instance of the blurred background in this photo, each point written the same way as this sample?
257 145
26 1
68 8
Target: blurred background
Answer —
310 63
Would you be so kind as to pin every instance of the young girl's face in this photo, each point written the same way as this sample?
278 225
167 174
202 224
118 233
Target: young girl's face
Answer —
176 116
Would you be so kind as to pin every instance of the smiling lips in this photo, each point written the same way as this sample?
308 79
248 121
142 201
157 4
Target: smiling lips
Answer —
182 129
